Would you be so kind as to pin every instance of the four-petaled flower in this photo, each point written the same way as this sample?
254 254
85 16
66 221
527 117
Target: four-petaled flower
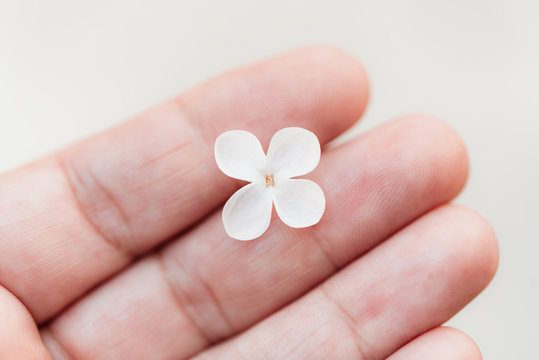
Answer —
292 152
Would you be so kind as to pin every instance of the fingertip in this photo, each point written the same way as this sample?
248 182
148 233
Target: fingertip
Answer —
19 338
442 343
320 88
480 242
440 135
347 69
466 247
460 340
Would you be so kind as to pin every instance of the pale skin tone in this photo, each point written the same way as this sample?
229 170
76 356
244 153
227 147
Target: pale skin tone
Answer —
114 248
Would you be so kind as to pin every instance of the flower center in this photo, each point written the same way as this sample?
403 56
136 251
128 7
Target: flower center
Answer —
269 180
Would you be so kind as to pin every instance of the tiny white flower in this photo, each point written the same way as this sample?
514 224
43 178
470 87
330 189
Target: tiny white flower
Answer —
292 152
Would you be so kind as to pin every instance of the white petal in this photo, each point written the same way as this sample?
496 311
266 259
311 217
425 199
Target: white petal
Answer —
299 203
247 214
239 155
293 152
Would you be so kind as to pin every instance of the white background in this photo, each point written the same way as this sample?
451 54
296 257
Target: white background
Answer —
68 69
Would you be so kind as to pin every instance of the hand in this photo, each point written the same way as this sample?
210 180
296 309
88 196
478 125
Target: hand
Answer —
114 248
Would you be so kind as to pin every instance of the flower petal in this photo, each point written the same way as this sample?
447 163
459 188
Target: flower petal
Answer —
247 214
238 154
293 151
299 202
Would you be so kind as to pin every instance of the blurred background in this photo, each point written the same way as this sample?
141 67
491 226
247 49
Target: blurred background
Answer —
71 68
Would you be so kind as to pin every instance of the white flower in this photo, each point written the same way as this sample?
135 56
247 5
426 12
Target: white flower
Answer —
292 152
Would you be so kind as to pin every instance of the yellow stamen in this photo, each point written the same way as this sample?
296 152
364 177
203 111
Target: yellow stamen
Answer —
269 180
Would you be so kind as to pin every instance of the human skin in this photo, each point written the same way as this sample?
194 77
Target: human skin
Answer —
114 247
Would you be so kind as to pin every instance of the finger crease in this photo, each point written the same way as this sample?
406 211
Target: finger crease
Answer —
349 321
190 118
321 243
210 339
169 152
114 244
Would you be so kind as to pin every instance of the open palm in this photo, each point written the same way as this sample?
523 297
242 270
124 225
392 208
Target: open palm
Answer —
114 248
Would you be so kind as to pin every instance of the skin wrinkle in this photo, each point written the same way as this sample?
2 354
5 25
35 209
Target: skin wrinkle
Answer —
126 238
177 290
349 321
107 334
181 308
125 220
322 245
173 150
274 282
33 261
218 305
320 345
309 335
193 122
70 172
189 121
181 172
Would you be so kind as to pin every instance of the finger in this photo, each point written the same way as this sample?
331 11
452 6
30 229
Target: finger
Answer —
442 343
412 283
374 186
70 221
19 338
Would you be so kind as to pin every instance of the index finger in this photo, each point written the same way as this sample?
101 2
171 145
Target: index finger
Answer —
73 219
